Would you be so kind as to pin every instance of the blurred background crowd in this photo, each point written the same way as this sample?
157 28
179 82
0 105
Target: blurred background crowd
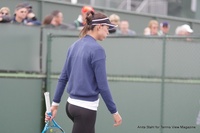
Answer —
24 15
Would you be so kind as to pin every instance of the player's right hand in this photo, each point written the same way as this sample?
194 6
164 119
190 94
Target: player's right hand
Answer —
53 112
47 117
117 119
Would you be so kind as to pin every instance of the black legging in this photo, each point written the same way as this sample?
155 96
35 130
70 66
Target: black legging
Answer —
84 119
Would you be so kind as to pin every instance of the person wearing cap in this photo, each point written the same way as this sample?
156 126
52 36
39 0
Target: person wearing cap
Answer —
164 28
20 15
80 21
184 30
84 72
187 29
30 17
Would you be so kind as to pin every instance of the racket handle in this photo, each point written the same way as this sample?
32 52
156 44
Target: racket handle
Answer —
47 101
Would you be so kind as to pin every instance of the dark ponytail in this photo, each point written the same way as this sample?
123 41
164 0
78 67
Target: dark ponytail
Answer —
88 26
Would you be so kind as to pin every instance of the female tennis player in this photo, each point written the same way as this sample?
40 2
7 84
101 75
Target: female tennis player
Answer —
85 73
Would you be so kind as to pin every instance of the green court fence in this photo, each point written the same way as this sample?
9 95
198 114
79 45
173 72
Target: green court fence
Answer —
154 80
167 65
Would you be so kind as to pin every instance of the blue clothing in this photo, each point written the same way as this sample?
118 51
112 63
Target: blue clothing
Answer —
14 21
85 73
34 22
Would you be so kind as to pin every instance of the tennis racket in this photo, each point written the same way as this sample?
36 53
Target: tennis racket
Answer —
50 126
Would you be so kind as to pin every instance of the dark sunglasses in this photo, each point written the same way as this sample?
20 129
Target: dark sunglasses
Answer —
23 11
3 13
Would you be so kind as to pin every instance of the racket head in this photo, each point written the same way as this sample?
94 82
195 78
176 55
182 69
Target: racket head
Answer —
54 130
50 126
53 127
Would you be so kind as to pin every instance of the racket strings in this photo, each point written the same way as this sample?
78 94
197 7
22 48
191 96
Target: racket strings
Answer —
54 130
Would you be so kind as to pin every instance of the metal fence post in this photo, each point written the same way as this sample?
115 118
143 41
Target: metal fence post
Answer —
162 83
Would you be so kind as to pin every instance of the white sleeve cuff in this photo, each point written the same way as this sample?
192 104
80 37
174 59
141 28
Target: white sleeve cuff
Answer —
55 104
116 112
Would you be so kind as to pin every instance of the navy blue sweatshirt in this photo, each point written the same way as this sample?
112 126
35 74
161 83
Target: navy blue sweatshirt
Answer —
85 73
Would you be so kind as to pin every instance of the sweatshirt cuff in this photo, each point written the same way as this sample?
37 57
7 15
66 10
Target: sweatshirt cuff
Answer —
115 113
55 104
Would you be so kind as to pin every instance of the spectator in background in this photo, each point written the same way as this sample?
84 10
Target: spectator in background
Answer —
81 20
31 17
57 21
183 30
124 29
153 26
178 31
20 15
5 16
47 21
114 19
147 31
164 28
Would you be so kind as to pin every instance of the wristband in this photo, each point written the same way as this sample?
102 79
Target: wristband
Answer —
55 104
116 113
